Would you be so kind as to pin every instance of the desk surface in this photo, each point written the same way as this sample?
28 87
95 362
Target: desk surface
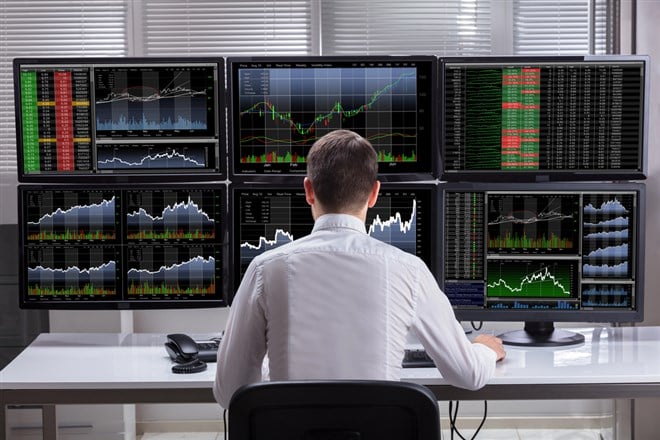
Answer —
623 362
98 360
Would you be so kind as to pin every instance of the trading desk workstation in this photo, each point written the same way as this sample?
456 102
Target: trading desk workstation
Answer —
116 368
149 196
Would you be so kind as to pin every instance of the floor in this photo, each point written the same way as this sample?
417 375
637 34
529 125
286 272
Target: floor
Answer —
491 434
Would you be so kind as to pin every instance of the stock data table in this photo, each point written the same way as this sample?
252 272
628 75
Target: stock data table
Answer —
100 368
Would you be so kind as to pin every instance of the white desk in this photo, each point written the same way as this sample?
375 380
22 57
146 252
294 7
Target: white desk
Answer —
75 368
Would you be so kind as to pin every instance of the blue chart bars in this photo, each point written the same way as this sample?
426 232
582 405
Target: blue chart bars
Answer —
155 100
120 247
607 226
71 239
171 235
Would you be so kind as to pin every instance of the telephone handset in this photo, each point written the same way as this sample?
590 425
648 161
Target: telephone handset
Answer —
183 350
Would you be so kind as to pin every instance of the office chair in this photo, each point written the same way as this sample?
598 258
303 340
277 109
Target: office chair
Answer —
334 410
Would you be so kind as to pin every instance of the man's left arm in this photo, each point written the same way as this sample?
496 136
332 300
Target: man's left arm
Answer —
243 346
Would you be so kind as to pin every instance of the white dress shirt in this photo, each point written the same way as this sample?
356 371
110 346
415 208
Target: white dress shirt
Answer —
338 304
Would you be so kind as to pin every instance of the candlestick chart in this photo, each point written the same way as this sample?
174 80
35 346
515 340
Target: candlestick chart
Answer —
283 111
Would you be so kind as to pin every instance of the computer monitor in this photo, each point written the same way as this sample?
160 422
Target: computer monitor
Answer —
544 118
120 119
281 105
121 247
543 253
268 216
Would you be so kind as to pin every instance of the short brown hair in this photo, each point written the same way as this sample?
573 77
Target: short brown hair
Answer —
343 167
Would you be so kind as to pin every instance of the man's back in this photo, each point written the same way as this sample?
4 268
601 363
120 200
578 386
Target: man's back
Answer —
340 304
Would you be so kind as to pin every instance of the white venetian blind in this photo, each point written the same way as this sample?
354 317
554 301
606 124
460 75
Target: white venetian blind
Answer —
556 27
377 27
219 27
52 28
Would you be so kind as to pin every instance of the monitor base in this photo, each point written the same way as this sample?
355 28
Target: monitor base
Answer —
541 334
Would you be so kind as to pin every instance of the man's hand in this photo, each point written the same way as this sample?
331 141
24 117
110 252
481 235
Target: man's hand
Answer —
492 342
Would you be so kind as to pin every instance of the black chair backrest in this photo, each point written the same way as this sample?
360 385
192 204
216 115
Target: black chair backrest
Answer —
334 410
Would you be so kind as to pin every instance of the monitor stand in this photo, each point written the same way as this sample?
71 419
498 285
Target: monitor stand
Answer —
541 334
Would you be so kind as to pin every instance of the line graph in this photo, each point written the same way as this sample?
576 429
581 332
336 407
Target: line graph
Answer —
533 223
617 270
172 270
267 109
154 100
172 214
65 215
608 224
610 206
72 271
399 218
397 230
282 111
268 219
152 157
531 278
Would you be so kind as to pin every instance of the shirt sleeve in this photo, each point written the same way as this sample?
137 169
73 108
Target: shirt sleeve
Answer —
462 363
243 346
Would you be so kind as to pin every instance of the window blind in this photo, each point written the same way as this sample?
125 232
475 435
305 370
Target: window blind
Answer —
52 29
558 27
382 27
211 27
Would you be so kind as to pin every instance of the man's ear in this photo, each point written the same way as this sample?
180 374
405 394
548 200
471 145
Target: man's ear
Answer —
373 195
309 192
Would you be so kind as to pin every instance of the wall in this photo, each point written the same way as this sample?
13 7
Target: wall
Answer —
647 424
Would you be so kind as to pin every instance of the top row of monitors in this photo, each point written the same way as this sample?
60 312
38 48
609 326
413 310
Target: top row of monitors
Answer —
454 119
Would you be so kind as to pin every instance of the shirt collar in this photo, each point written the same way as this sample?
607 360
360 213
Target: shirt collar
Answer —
339 221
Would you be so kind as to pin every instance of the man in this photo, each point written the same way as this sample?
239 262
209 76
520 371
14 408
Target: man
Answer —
337 304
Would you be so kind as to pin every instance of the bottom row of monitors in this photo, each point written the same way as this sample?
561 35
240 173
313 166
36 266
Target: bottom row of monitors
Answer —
508 247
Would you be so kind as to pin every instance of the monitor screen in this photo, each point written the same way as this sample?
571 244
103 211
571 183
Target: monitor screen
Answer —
544 118
551 252
115 118
280 106
112 247
270 216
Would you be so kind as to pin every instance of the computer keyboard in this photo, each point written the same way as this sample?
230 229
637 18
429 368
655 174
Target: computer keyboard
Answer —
208 350
417 358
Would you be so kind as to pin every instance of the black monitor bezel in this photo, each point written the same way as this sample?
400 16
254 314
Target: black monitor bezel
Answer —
512 315
432 215
232 109
122 303
219 174
545 175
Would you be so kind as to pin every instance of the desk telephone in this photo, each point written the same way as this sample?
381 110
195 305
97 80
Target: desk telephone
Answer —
190 355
